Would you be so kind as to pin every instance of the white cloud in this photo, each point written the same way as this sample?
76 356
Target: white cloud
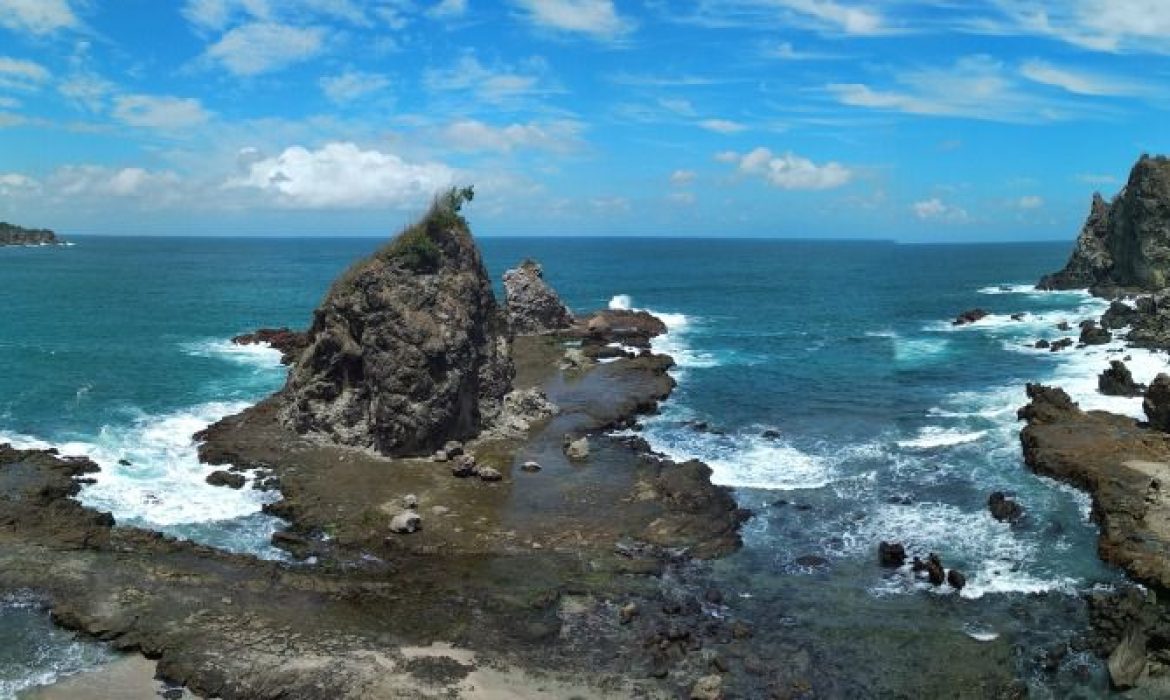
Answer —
785 51
10 103
975 87
1028 202
17 74
1097 179
86 89
934 209
83 181
495 85
157 112
263 47
38 17
352 85
789 171
1079 83
596 18
722 126
681 178
16 185
448 9
474 135
341 175
1099 25
845 18
218 15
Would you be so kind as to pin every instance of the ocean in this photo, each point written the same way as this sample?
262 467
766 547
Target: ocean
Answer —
885 421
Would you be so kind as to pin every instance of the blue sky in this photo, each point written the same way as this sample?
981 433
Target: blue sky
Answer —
920 120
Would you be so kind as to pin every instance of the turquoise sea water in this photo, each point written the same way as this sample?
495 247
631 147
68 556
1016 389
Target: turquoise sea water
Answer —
893 424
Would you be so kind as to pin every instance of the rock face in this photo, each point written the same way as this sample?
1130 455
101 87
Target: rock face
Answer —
409 349
1124 243
532 305
11 234
1156 404
1118 381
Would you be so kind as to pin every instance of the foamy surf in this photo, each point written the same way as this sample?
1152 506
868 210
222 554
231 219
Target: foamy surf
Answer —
933 437
259 355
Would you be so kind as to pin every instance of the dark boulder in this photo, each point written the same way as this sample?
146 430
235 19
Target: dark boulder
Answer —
1156 404
409 349
891 555
969 316
1092 334
1042 344
1004 509
934 570
1118 381
1118 315
1047 405
956 579
224 478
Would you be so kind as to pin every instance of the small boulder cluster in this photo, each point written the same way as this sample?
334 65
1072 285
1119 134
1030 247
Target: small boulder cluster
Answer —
893 555
463 464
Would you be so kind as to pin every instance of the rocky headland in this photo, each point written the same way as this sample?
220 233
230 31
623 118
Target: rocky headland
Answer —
462 520
11 234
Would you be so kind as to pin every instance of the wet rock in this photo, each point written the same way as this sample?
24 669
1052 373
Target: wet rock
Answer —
124 462
708 688
956 579
409 349
934 570
225 478
1118 381
1062 344
489 474
1118 315
1127 664
811 561
453 448
532 305
891 555
969 316
1042 344
290 343
406 523
575 360
530 467
770 434
628 612
1003 508
410 501
464 466
1019 316
714 596
1064 326
1092 334
578 450
1156 403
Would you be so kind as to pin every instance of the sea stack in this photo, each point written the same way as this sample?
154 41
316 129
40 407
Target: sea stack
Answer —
533 306
409 349
1124 244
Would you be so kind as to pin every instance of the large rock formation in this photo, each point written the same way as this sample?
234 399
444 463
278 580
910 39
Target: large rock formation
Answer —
1124 243
409 349
11 234
533 306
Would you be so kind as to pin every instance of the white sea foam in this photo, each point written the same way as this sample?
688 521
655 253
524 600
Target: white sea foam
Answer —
933 437
917 350
674 341
259 355
747 461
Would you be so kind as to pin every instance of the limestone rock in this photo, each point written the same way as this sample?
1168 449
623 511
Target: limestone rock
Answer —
1156 404
532 305
1124 243
409 349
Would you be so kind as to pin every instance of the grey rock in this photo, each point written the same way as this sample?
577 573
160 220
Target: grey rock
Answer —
490 474
464 466
1127 663
1092 334
406 523
408 350
578 450
532 305
224 478
530 467
1118 381
708 688
1156 404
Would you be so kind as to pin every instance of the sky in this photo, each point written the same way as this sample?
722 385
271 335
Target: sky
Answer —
914 120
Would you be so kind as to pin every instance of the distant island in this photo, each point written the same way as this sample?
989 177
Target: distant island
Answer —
11 234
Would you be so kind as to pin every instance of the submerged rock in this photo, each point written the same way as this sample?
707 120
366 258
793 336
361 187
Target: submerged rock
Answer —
532 305
409 349
1118 381
1124 243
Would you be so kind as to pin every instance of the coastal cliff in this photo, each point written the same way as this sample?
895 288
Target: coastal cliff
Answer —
11 234
1124 244
409 349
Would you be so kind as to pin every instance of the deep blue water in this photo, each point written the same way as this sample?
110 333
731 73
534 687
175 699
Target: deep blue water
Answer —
893 424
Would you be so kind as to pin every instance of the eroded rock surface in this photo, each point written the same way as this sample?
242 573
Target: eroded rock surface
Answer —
532 305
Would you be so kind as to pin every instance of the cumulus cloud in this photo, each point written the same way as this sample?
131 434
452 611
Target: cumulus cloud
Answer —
157 112
17 74
352 85
264 47
342 176
473 135
789 171
38 17
934 209
598 19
